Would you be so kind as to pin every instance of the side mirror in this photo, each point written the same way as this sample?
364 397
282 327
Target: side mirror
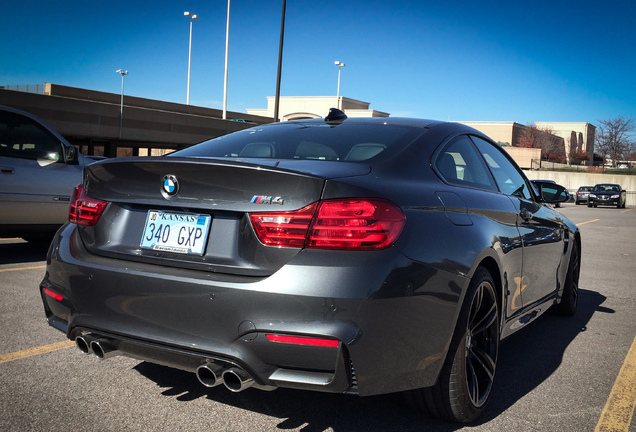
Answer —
552 193
71 155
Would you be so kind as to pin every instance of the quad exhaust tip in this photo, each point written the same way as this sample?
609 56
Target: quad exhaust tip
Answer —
209 374
235 379
101 348
83 343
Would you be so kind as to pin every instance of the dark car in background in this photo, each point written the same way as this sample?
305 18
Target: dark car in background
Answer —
38 171
359 256
582 194
609 194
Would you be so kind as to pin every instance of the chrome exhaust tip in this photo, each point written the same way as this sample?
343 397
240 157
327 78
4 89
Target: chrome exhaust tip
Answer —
236 380
83 343
210 374
103 349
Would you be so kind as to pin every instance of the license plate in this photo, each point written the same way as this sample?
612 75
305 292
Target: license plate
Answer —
184 233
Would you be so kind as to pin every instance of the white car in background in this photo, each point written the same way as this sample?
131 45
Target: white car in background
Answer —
38 171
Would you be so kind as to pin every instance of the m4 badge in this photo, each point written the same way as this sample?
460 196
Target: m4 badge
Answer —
263 199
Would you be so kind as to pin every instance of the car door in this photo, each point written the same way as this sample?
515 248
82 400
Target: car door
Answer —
541 227
492 215
36 181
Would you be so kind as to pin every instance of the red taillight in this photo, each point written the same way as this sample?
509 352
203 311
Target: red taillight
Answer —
369 224
302 340
287 229
83 209
345 224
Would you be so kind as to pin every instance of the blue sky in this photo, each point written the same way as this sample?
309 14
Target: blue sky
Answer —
527 61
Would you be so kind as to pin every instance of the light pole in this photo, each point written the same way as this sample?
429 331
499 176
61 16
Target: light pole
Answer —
280 60
340 66
192 17
121 109
227 48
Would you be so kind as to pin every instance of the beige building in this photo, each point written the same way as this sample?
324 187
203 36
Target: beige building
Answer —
505 133
304 107
575 135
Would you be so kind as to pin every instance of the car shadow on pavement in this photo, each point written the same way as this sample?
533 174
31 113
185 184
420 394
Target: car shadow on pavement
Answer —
526 360
529 357
19 251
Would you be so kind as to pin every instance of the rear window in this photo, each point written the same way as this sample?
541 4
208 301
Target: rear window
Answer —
309 141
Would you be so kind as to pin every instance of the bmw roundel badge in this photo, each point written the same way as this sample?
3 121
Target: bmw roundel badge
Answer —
170 184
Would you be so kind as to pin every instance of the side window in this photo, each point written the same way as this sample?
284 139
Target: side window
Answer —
508 178
24 138
460 163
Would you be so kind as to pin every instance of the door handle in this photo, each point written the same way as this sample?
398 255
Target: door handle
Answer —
7 170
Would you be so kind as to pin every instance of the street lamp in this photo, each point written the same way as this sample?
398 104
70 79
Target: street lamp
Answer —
121 110
340 66
192 17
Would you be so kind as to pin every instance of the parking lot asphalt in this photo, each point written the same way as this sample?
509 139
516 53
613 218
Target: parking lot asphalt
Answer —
559 374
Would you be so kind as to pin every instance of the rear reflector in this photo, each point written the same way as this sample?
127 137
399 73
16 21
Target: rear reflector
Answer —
50 293
83 209
344 224
302 340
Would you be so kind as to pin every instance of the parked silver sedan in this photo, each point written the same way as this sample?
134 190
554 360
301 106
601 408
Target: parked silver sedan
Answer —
38 172
582 194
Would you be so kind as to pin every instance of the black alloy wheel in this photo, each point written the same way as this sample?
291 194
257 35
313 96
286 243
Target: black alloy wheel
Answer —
570 296
467 377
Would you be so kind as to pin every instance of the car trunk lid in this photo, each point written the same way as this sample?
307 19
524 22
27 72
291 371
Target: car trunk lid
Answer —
221 191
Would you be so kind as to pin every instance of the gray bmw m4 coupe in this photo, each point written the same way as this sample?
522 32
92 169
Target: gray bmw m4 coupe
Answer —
343 255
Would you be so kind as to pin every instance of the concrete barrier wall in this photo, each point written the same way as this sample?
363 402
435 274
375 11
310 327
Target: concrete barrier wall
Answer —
574 180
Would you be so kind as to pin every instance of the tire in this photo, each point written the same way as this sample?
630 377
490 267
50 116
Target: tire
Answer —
589 205
465 383
570 296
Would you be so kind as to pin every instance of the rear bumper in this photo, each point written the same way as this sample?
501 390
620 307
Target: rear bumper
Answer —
392 318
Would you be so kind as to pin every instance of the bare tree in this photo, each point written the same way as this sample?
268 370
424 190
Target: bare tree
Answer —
552 147
613 138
